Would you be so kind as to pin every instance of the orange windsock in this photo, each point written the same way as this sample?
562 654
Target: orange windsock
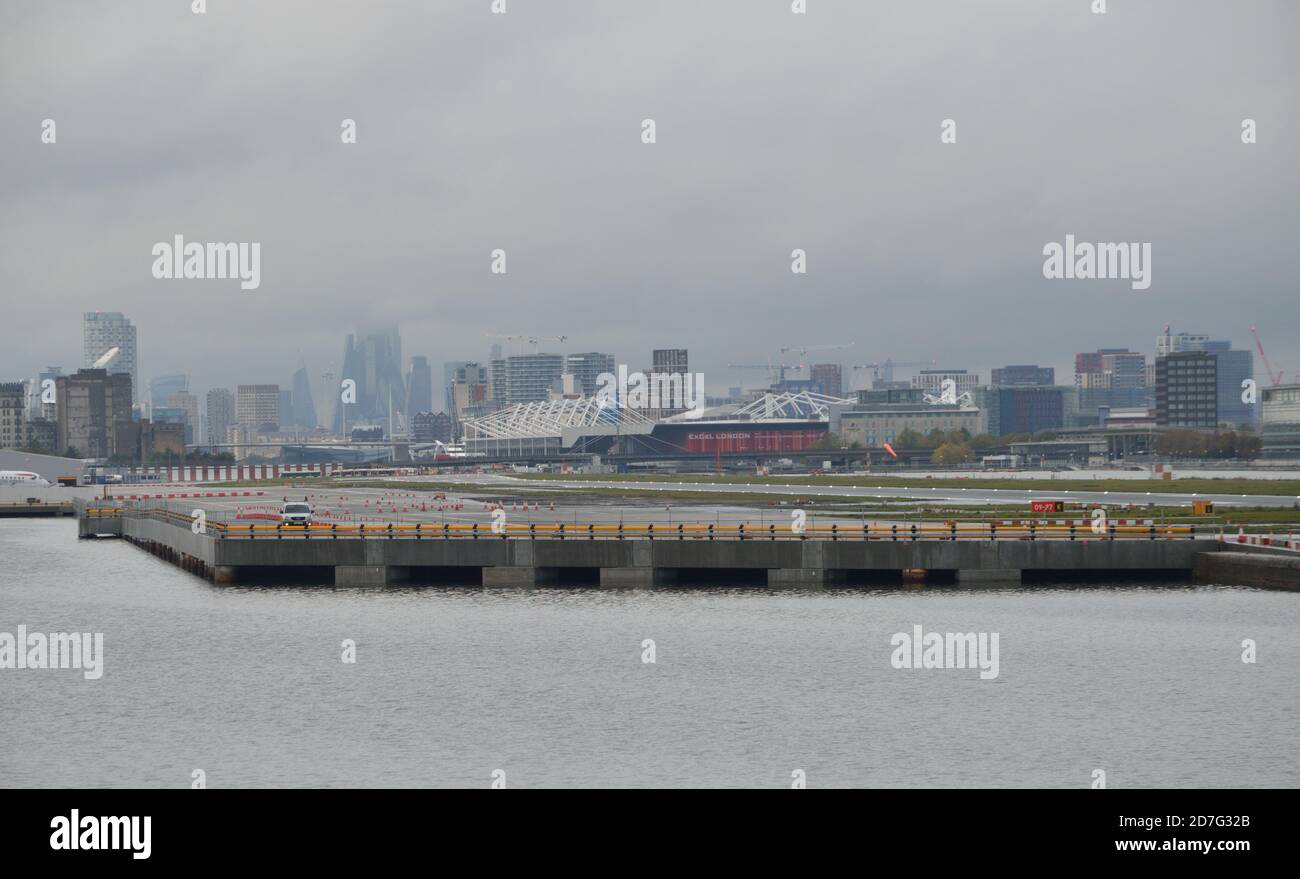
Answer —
890 449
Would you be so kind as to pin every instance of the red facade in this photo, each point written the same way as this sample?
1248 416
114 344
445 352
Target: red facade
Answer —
752 440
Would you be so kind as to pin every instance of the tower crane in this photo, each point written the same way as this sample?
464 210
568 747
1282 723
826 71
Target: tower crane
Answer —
1273 380
804 349
888 366
775 370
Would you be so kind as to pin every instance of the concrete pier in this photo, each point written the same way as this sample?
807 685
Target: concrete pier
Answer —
521 561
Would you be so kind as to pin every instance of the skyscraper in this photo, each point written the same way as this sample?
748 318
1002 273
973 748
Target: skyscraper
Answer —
304 410
102 331
373 360
419 387
220 414
162 387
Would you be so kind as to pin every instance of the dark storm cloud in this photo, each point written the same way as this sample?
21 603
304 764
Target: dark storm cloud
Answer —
522 131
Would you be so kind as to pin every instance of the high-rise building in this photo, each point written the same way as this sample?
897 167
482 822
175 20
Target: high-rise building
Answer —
303 409
1026 375
449 368
931 380
1187 390
1108 378
1025 410
830 377
258 407
1234 368
102 331
13 415
586 369
162 387
189 404
525 378
419 387
373 360
91 404
1280 415
471 392
220 415
40 408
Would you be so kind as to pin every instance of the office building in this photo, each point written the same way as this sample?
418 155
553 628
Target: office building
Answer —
1027 375
1028 410
258 407
1187 390
1234 368
102 331
419 387
931 380
303 408
373 360
883 423
163 387
1280 416
220 415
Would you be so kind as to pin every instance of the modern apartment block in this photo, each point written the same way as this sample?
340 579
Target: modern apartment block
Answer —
90 405
1187 390
586 369
258 407
101 331
525 378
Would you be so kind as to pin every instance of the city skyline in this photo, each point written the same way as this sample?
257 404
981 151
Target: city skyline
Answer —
922 247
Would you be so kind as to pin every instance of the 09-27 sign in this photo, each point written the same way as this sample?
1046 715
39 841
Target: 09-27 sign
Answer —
1047 506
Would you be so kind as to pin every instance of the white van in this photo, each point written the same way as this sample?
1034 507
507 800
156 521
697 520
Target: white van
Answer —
295 513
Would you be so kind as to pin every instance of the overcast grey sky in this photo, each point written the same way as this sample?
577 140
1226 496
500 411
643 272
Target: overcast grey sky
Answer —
522 131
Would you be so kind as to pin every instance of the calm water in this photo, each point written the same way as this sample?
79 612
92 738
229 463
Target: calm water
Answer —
548 685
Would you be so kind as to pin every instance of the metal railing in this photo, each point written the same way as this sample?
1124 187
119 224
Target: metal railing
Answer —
951 531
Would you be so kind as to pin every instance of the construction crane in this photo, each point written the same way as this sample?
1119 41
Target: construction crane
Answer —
888 367
776 370
804 349
1274 380
531 340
